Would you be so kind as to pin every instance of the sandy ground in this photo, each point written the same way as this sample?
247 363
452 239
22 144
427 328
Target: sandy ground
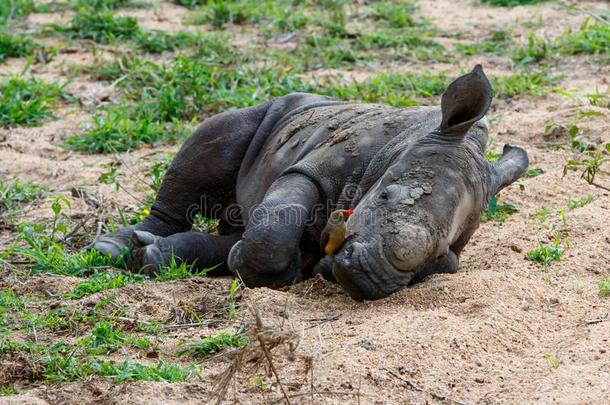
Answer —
483 335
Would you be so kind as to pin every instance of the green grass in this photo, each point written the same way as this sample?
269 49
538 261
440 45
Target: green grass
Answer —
590 39
102 282
161 41
61 368
8 390
579 202
604 287
16 46
546 254
178 271
47 255
102 4
533 83
497 44
13 194
12 9
534 172
497 212
120 130
28 102
100 26
105 338
511 3
214 344
395 15
398 90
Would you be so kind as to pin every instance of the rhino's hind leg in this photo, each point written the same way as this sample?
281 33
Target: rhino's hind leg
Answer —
117 244
447 263
200 179
202 250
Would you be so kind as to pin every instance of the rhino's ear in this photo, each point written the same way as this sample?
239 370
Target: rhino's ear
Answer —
512 165
465 101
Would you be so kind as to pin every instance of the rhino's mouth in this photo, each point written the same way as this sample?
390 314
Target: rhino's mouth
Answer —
364 272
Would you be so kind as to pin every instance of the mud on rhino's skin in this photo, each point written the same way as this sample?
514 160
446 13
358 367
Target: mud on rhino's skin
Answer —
416 179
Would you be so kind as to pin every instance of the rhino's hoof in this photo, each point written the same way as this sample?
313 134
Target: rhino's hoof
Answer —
107 246
147 260
234 259
139 239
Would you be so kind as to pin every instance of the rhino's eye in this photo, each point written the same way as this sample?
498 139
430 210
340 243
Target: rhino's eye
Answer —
390 194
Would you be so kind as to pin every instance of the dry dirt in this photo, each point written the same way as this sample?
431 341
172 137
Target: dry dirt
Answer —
483 335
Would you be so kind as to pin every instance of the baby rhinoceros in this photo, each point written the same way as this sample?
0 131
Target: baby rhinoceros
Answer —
415 178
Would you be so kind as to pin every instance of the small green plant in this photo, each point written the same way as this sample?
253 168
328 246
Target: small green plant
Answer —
590 39
214 344
7 390
28 101
60 367
10 9
100 4
536 50
16 46
233 290
102 282
604 287
534 172
542 214
13 194
511 3
589 163
178 271
394 89
161 41
119 130
100 26
395 15
546 254
526 83
497 44
552 360
219 13
497 212
579 202
48 255
104 339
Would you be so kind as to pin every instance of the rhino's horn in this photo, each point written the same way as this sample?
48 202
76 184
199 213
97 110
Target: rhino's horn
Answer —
465 101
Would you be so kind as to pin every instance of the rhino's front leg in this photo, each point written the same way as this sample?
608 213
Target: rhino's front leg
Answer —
447 263
268 254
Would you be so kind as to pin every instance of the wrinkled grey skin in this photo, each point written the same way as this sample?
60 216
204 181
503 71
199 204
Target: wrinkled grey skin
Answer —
416 179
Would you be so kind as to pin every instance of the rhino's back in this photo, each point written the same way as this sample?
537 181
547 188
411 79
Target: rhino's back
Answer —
329 143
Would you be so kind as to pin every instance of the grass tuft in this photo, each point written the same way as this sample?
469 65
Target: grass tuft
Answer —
546 254
28 101
214 344
579 202
102 282
511 3
604 287
16 46
11 9
13 194
118 130
497 212
101 26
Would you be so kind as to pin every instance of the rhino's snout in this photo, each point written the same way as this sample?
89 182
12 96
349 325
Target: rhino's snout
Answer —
364 273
